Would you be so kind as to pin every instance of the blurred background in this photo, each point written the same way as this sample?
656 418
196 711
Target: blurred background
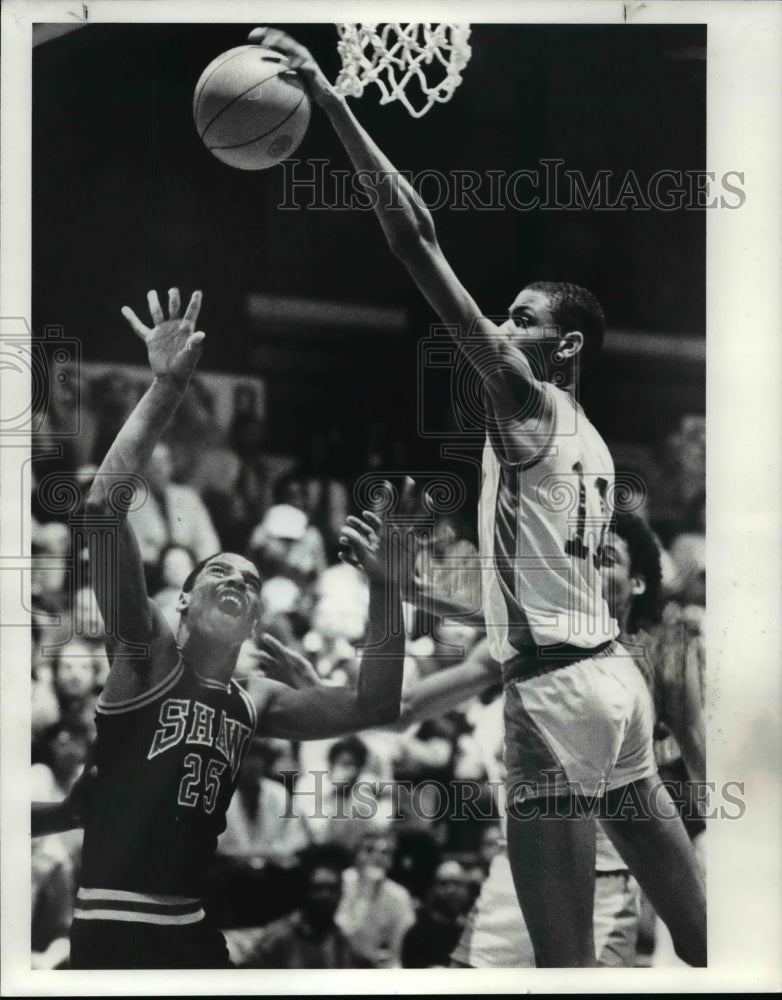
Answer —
310 378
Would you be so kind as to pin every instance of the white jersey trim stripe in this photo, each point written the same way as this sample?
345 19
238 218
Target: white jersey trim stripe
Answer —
249 703
130 916
124 896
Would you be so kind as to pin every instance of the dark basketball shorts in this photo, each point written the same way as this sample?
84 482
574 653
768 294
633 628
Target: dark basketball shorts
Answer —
124 944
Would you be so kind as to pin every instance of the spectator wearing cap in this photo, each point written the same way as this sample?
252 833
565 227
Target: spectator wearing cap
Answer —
284 544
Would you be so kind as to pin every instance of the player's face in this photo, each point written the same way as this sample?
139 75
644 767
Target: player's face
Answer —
531 326
225 597
619 584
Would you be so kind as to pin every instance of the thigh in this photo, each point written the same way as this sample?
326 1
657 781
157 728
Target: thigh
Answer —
552 860
653 843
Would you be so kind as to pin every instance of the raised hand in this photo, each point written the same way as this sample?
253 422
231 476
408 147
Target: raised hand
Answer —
299 59
173 344
286 665
367 542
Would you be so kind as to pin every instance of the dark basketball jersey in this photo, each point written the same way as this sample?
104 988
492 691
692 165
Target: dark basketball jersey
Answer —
167 767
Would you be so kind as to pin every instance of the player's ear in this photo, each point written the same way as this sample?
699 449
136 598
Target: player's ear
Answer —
183 602
637 586
571 344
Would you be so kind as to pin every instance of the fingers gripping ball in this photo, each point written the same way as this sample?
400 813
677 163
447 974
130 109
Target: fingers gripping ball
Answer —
250 110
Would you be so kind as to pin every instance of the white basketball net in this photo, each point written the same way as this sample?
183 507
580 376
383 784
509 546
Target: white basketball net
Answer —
394 55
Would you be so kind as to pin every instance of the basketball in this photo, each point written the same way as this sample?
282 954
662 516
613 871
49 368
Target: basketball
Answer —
250 110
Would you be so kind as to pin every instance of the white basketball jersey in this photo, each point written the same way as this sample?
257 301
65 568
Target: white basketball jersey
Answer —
541 528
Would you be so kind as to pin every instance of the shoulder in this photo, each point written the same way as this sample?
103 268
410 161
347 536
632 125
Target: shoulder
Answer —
127 690
246 698
260 692
397 894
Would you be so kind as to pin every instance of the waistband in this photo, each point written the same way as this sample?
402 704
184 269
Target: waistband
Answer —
540 660
136 907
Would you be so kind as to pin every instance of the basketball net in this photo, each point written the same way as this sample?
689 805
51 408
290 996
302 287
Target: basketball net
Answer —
395 55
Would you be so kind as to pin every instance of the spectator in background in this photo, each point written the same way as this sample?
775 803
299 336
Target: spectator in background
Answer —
75 683
172 514
375 912
176 564
45 707
51 903
114 396
329 805
325 499
257 850
688 552
283 544
193 430
48 578
308 938
63 752
430 941
69 407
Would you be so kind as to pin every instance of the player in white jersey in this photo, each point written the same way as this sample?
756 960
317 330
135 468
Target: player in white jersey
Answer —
572 725
494 935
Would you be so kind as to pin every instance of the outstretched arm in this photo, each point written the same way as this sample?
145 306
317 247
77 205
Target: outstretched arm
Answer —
515 397
447 689
320 712
133 623
405 219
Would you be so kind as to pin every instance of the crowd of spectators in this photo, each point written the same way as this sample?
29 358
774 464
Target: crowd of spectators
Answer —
339 853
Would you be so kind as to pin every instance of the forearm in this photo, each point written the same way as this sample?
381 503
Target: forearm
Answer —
449 688
131 449
379 685
51 817
405 219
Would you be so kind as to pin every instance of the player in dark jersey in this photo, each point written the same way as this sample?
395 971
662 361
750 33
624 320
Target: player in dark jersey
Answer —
173 726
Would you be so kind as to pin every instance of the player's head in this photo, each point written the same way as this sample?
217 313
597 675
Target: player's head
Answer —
556 324
220 598
632 573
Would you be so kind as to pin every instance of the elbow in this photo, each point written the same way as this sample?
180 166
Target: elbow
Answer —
411 242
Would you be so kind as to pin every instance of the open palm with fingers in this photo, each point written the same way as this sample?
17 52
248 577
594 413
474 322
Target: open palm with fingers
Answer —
173 344
368 541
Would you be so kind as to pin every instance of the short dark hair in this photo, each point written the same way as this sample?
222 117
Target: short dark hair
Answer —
575 308
352 745
330 855
193 575
644 549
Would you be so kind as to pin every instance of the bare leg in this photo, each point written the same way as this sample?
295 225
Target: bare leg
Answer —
553 863
658 852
